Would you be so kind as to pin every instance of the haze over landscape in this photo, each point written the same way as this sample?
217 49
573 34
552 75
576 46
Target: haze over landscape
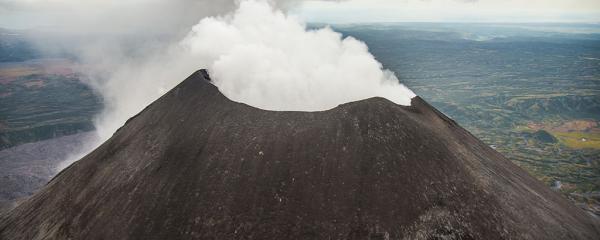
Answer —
526 82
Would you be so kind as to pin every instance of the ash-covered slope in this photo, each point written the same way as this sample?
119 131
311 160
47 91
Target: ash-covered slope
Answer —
195 165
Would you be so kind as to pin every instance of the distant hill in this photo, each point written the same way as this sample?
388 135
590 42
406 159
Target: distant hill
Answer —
14 47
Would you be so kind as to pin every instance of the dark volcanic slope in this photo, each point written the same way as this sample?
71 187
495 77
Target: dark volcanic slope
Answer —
195 165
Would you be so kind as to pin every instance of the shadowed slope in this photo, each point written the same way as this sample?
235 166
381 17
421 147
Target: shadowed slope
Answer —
195 165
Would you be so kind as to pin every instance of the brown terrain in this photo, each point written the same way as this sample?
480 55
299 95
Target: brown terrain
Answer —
196 165
11 71
568 126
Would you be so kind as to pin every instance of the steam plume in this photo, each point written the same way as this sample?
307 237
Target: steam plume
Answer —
261 57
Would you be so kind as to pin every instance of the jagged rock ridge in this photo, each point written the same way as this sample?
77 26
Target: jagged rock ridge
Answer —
196 165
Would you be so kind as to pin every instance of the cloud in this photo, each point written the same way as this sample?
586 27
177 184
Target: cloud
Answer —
109 16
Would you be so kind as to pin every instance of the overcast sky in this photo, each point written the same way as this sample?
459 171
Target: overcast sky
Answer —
451 11
164 14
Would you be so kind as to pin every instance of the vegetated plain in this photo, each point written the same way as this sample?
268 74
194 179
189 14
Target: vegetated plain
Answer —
41 97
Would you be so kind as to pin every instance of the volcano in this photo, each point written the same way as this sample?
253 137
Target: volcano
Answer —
196 165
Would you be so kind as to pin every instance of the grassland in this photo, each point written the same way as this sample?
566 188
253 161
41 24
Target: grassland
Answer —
579 140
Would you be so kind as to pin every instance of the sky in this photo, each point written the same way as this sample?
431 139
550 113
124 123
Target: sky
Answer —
353 11
22 14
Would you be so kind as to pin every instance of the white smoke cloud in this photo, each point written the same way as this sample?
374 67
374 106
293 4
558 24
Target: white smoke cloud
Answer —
256 55
261 57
